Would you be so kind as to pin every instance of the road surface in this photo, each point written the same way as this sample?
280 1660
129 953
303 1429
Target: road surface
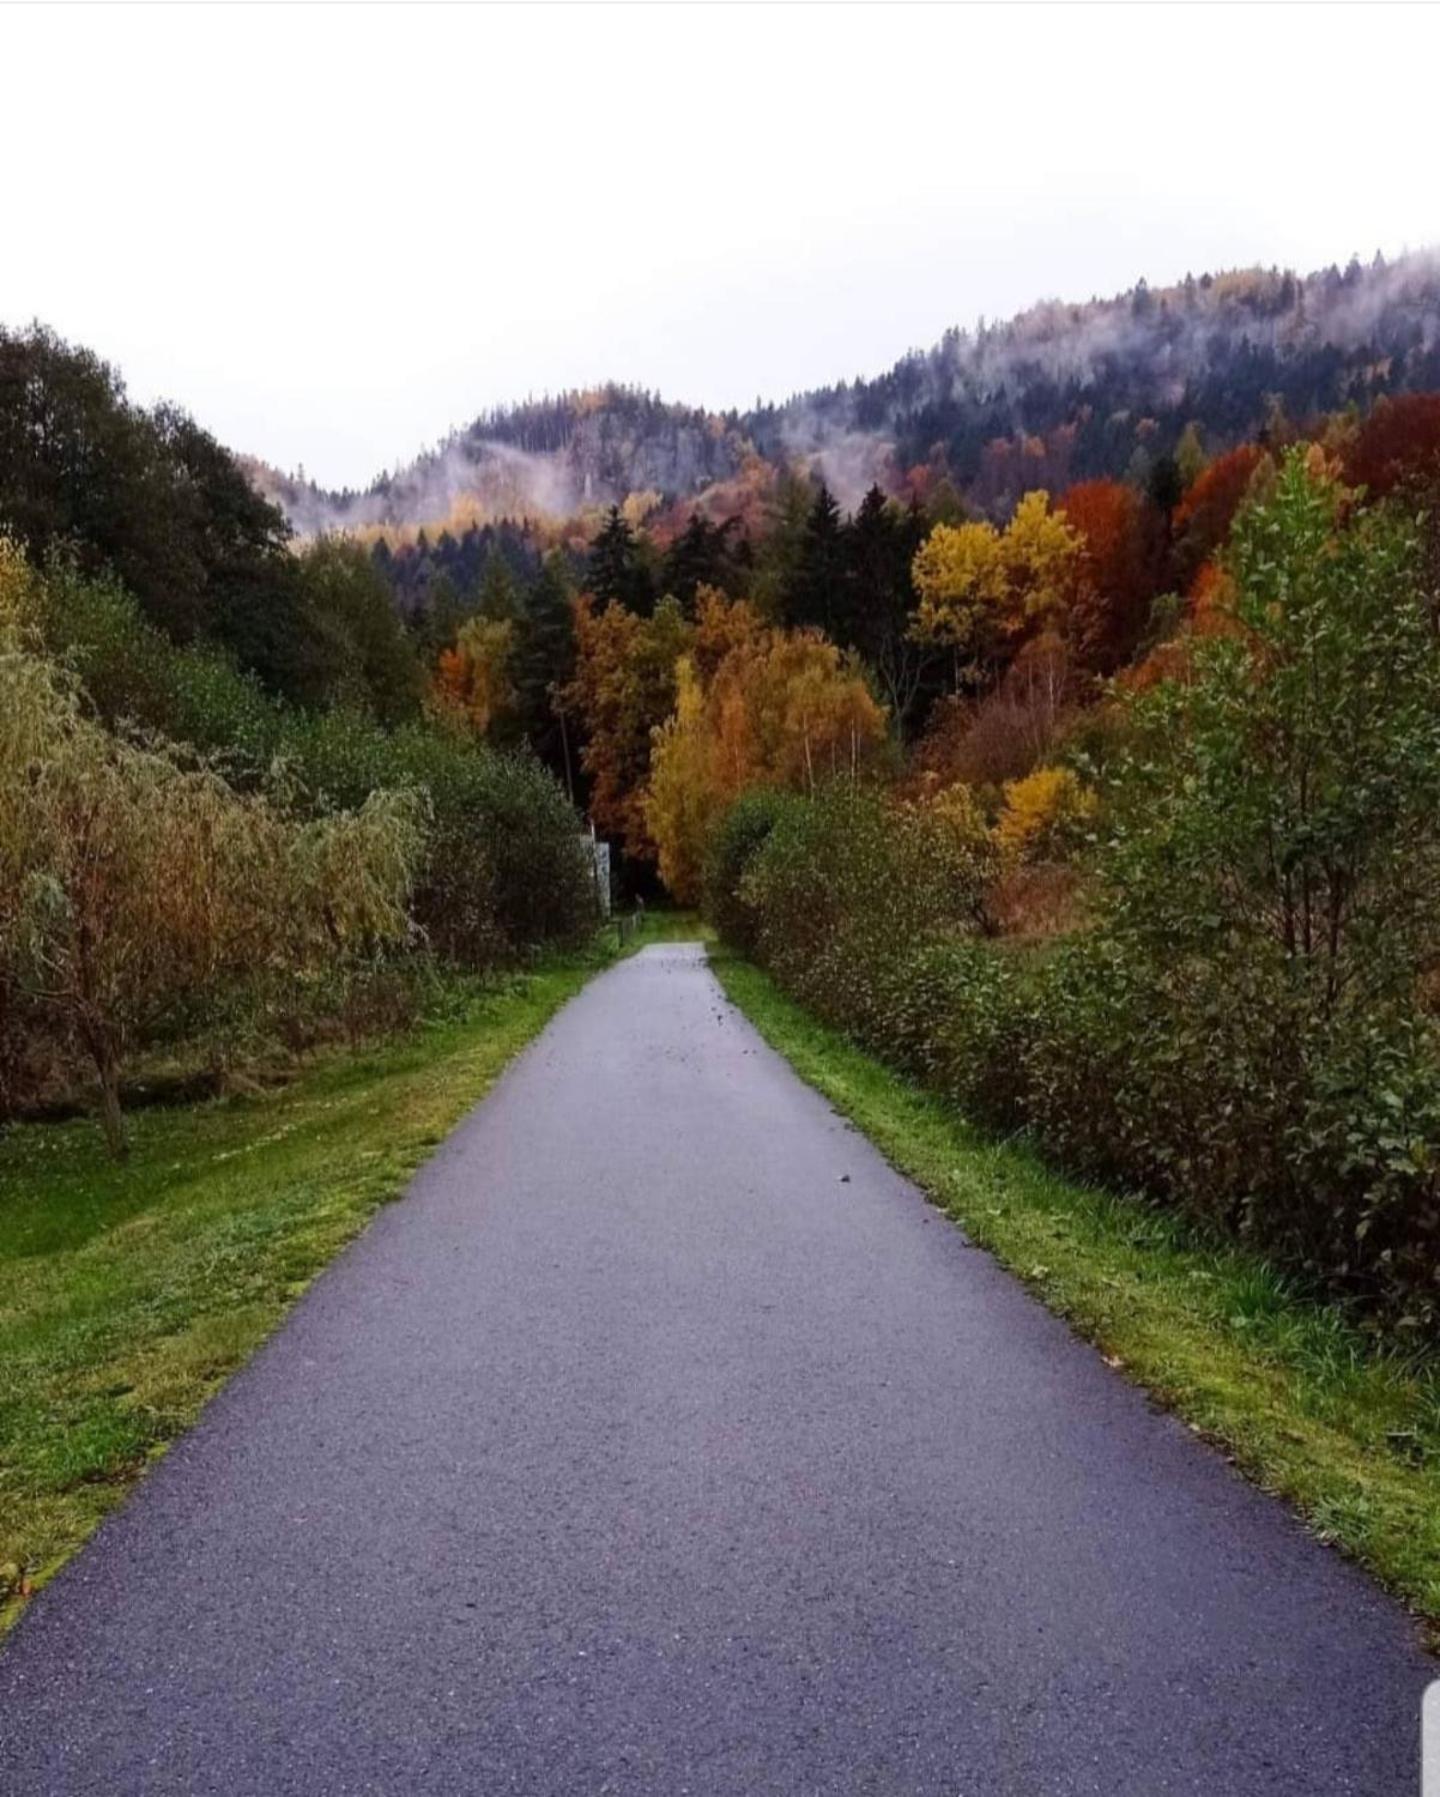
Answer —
663 1441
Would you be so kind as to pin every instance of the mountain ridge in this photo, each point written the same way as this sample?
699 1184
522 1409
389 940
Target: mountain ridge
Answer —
1061 391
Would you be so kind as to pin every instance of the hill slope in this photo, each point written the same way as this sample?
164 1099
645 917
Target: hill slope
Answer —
1057 394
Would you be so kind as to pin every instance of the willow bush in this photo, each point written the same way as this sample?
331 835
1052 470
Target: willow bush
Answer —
135 881
503 871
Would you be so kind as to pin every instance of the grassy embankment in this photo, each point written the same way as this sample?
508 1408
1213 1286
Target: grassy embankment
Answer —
1305 1404
129 1293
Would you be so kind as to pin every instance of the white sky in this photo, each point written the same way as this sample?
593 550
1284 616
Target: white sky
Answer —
333 232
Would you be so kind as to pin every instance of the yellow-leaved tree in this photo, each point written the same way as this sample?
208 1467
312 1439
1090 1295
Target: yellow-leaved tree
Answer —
756 705
624 684
1045 815
981 588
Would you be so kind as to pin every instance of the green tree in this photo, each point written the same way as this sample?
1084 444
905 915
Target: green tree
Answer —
363 655
703 555
499 592
816 592
617 572
880 599
149 496
543 661
440 617
1272 878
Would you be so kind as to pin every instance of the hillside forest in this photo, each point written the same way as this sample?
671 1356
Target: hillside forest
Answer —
1103 797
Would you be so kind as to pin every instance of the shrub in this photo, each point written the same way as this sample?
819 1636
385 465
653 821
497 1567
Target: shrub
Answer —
1045 815
1244 1034
846 884
737 839
135 882
504 870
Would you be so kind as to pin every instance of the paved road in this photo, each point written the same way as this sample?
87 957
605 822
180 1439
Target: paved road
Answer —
640 1451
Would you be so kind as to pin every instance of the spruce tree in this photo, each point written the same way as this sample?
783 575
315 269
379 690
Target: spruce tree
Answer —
617 574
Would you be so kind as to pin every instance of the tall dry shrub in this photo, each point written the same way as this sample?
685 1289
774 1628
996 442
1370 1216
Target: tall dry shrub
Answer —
133 880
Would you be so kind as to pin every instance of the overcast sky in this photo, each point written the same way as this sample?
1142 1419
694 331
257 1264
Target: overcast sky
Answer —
334 232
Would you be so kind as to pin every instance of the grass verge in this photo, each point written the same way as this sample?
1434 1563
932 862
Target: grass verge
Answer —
129 1293
1303 1402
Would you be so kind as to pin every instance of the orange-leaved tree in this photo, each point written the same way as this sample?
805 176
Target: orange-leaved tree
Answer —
1201 522
1119 542
756 705
623 686
471 688
1398 442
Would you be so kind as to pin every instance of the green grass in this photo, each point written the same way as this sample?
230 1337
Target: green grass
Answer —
1304 1403
128 1293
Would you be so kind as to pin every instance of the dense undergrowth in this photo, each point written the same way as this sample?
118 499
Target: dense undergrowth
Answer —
198 876
1243 1030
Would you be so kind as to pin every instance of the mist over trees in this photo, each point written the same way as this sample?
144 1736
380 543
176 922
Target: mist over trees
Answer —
1063 393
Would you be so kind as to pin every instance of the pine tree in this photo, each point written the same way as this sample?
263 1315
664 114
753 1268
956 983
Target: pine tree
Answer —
815 596
542 662
499 596
700 556
880 599
617 574
440 616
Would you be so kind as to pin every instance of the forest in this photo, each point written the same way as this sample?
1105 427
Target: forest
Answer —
1062 393
1108 808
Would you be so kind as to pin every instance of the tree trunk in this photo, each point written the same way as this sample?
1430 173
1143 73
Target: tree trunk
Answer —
112 1118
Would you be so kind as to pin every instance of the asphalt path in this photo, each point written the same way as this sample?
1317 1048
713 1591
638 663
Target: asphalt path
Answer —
663 1440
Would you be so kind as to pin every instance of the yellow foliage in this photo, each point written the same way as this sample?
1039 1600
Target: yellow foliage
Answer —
19 585
961 812
1042 559
755 706
978 585
959 573
638 506
471 687
622 689
1043 814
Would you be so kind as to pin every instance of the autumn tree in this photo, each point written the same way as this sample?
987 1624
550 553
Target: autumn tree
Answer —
756 706
622 688
1398 442
985 740
982 590
472 689
1201 521
1120 571
1045 815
